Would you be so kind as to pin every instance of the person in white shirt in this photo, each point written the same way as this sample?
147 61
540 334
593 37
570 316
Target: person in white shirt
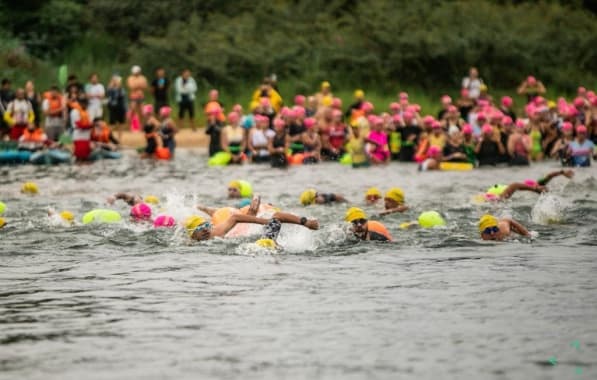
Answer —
185 88
95 94
472 83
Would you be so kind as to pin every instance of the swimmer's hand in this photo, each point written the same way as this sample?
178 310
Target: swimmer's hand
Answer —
312 224
568 173
254 206
540 189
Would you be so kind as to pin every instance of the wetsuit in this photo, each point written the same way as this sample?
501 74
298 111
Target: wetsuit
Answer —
407 149
328 198
151 137
278 160
293 131
167 134
213 131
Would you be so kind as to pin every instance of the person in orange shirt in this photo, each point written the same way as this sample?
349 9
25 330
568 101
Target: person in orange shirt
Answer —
137 84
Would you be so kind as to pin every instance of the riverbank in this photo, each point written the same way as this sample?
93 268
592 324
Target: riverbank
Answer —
185 138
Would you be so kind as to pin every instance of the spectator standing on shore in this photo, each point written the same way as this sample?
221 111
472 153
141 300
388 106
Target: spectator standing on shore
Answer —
185 88
159 88
54 110
6 96
137 84
18 114
95 93
35 100
73 82
116 104
472 83
531 88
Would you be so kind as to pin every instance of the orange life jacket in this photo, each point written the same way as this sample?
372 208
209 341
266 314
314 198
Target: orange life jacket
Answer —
102 136
37 136
83 122
55 103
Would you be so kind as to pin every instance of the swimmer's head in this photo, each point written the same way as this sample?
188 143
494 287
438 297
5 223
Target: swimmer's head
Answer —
197 227
308 197
147 110
29 188
266 243
531 183
394 198
372 195
234 189
496 190
488 227
152 199
141 212
164 221
2 222
358 219
67 216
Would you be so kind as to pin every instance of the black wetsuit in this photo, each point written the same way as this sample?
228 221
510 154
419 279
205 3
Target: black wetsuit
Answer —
278 160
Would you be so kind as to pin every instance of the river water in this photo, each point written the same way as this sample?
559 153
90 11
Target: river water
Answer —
129 302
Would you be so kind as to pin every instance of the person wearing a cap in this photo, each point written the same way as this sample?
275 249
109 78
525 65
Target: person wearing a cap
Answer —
372 195
137 84
324 96
581 149
200 229
472 83
353 111
394 201
492 228
489 147
311 196
128 198
531 88
503 192
365 229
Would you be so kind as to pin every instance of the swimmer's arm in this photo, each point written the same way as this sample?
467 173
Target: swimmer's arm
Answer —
208 210
340 198
283 217
223 228
518 228
400 208
129 199
514 187
545 180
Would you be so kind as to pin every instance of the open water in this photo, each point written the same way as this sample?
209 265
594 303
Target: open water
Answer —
129 302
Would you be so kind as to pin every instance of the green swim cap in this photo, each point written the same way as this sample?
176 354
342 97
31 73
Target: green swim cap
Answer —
2 207
496 190
101 216
430 219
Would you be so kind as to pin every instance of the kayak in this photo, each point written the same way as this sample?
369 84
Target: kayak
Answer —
50 157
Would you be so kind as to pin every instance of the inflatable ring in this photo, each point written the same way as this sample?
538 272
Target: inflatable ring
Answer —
220 159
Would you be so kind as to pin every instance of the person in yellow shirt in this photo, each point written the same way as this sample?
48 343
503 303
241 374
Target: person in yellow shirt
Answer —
267 91
356 148
324 96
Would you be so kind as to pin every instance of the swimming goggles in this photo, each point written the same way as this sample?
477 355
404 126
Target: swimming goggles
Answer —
203 226
491 230
359 222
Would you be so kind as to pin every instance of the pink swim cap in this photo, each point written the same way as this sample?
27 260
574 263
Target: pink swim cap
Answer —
233 117
481 116
396 119
279 123
506 120
531 80
567 126
141 211
336 103
299 100
367 106
309 122
408 115
520 124
452 109
264 101
446 99
571 111
467 129
539 100
403 95
165 111
464 92
433 151
237 108
483 103
579 102
394 106
147 109
530 182
428 120
299 111
284 111
594 101
487 129
164 221
336 114
581 129
507 101
404 102
435 124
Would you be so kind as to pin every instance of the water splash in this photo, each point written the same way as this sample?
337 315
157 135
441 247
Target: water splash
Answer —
549 209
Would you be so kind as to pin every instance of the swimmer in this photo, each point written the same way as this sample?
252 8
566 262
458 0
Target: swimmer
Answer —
128 198
372 196
311 196
528 185
365 229
239 189
201 229
394 201
492 228
252 210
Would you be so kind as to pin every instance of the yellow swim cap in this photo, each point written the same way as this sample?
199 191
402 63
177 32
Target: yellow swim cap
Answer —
266 243
193 222
67 216
396 194
354 213
325 84
551 104
2 222
359 94
152 199
234 184
29 188
308 197
487 221
373 191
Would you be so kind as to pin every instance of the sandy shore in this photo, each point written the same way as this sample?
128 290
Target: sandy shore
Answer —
185 138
